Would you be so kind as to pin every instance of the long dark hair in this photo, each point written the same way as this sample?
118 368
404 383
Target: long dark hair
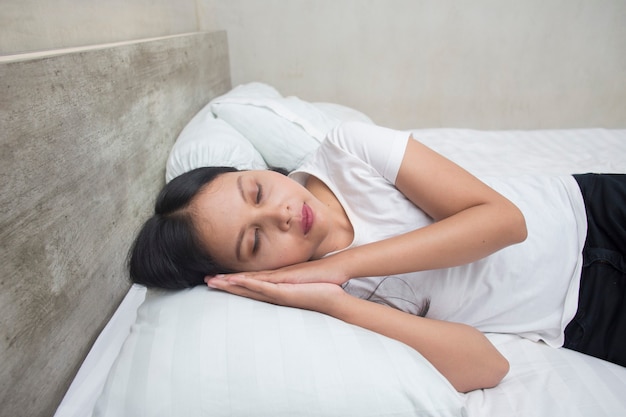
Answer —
167 252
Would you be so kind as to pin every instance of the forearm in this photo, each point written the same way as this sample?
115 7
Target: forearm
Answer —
462 238
461 353
471 221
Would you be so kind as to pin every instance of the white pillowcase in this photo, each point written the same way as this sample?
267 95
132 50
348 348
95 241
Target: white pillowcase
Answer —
255 127
202 352
207 141
285 130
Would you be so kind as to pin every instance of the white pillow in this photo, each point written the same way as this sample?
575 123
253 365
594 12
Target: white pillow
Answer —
202 352
207 141
342 113
283 129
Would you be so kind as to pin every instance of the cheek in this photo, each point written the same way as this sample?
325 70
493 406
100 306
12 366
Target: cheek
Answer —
288 253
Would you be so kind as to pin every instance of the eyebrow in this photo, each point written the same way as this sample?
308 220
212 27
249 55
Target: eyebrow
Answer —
241 232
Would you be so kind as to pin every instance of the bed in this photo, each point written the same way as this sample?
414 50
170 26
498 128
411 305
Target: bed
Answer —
97 132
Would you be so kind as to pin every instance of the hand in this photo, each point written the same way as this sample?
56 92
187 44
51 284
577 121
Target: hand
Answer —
321 270
321 297
460 352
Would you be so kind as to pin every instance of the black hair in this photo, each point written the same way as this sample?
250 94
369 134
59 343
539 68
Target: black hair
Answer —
167 252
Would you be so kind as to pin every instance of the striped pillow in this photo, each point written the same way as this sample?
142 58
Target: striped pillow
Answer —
202 352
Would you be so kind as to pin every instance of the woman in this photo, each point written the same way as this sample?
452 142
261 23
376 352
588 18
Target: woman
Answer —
379 215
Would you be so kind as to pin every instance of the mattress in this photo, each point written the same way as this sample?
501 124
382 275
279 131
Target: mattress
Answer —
543 381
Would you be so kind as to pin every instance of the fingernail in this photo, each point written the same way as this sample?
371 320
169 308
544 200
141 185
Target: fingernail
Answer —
238 277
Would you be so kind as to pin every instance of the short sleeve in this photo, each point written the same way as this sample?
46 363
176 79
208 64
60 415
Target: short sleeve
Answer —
381 148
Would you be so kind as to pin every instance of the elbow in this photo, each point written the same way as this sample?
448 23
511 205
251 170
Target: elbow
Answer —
495 371
520 228
498 370
486 368
488 376
517 225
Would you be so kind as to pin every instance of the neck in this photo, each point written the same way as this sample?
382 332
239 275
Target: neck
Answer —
342 231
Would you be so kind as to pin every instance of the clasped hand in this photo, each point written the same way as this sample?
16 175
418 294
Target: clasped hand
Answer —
310 285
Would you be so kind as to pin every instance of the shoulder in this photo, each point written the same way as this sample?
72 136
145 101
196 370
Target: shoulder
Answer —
380 147
361 132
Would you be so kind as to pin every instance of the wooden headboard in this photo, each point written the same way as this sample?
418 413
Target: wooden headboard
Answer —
85 137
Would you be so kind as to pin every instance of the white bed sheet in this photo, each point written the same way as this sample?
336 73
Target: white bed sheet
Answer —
543 381
549 382
86 387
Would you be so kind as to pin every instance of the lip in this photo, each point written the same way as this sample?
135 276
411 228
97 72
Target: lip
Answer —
307 218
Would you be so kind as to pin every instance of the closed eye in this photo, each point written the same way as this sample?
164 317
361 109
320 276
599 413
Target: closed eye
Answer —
259 193
255 246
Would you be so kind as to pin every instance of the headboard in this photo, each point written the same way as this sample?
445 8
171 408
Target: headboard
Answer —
85 136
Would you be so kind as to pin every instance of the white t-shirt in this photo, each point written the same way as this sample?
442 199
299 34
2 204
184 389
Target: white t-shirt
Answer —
529 289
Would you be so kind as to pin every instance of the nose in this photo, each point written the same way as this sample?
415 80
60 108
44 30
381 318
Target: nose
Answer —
276 216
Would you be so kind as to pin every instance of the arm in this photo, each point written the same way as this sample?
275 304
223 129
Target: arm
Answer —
471 221
461 353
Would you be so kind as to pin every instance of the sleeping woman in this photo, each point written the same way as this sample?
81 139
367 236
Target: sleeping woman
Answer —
380 231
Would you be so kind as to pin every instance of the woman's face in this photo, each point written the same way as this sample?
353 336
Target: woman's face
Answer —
260 220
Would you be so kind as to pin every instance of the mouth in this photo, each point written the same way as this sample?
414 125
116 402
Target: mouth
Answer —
307 218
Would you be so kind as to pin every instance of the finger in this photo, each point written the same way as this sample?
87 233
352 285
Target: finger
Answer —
258 275
258 286
242 286
221 282
277 277
243 292
215 280
267 276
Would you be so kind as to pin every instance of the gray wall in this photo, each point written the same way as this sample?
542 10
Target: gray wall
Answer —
484 63
490 64
37 25
84 140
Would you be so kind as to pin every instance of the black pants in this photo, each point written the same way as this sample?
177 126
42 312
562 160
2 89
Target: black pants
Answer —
599 327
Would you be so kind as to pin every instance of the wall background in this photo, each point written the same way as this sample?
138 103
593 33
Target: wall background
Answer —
491 64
